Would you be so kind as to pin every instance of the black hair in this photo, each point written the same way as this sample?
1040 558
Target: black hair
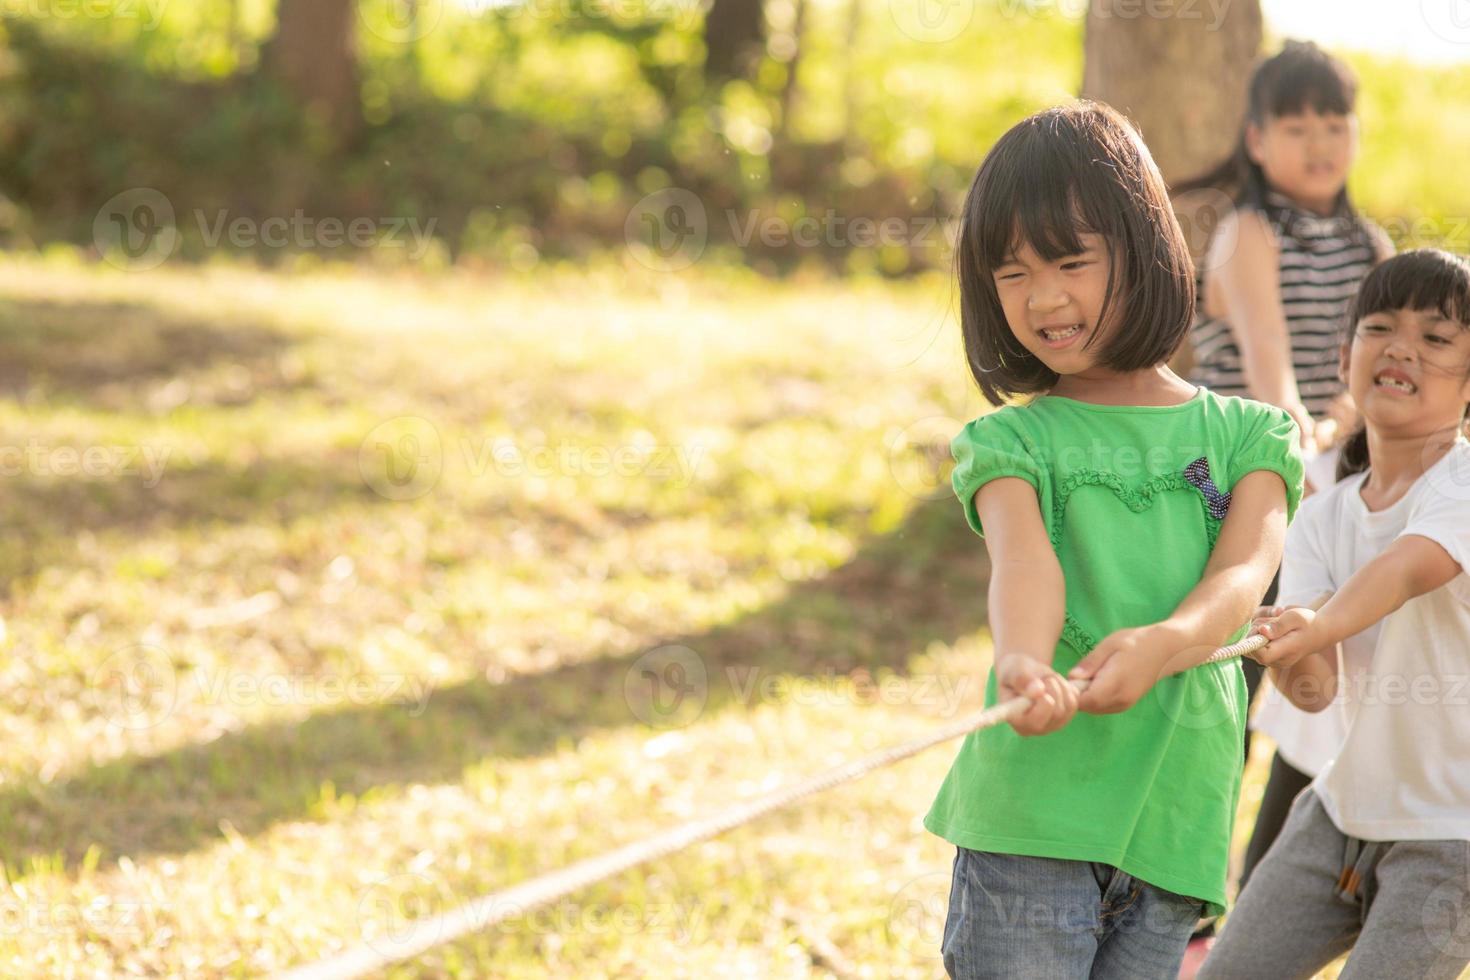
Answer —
1300 76
1058 174
1422 279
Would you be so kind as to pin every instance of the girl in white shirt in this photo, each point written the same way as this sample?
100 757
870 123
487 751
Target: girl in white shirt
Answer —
1305 741
1375 855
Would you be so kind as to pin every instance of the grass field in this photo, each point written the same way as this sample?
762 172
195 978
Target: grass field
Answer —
338 598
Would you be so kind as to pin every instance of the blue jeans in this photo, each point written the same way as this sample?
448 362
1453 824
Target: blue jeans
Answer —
1013 917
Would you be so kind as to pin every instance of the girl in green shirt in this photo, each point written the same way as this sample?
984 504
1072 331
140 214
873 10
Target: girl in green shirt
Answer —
1133 521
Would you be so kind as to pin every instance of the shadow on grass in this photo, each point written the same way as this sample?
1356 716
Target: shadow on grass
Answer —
118 356
922 583
159 491
136 359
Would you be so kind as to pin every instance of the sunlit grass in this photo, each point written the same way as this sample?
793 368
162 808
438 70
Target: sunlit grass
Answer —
358 697
235 817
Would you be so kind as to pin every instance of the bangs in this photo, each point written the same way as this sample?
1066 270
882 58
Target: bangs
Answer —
1047 192
1052 225
1421 280
1304 77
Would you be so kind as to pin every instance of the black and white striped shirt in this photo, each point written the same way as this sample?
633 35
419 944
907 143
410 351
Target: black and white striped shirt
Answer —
1323 261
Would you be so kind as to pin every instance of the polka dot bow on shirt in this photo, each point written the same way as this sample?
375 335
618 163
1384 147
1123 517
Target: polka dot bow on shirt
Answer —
1198 474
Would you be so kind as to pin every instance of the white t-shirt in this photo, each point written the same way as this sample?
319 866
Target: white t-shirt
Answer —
1403 771
1321 468
1305 740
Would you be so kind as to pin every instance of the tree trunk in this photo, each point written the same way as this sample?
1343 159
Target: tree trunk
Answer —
850 136
313 54
793 66
235 36
734 36
1181 77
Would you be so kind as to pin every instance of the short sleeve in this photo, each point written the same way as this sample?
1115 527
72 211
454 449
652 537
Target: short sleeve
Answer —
1442 514
1306 568
1270 442
987 449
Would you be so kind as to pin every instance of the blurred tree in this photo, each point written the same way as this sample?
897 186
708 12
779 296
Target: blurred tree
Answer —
1181 78
795 45
849 72
314 55
734 36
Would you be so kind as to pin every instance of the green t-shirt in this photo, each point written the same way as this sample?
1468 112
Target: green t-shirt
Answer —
1133 499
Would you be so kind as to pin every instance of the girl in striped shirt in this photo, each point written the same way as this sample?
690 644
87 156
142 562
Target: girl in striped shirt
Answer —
1277 278
1284 263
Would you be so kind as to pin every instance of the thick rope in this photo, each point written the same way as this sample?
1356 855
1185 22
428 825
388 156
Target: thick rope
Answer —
424 934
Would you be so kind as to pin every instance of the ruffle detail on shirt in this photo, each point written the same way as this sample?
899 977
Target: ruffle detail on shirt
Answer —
1138 501
1076 635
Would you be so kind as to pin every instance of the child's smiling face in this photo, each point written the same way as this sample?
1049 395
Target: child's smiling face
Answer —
1306 155
1053 307
1409 370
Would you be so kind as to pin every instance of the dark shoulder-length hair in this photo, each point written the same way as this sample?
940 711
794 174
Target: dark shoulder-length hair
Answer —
1422 279
1299 77
1067 171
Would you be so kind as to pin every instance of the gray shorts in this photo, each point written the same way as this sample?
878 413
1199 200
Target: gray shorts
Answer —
1402 907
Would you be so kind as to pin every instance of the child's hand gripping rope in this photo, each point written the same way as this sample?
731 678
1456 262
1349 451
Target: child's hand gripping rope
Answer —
1051 701
1290 632
1123 666
1118 671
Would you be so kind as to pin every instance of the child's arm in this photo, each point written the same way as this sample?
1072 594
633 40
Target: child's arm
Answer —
1310 683
1130 661
1383 246
1304 643
1027 604
1250 285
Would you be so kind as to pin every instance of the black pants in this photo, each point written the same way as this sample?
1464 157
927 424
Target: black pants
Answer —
1282 785
1254 671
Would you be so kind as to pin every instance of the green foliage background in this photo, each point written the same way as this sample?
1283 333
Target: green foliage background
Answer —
528 130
